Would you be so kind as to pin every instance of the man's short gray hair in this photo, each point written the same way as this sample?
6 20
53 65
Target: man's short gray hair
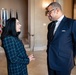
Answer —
55 5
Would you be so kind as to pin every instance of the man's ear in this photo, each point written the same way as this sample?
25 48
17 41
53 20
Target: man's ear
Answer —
57 10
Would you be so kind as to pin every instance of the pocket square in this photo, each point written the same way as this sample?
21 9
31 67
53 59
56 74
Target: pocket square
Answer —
63 30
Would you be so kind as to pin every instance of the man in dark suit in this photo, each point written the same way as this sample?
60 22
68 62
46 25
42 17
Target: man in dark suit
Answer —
61 41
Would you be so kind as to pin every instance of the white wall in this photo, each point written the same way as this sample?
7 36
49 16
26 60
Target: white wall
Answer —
37 24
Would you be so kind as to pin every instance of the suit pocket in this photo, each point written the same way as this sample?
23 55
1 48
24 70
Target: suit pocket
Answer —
64 54
64 58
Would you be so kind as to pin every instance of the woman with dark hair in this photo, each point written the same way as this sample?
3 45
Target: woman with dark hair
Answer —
17 59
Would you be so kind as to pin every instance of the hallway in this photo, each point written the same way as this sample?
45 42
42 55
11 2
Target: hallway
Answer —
37 67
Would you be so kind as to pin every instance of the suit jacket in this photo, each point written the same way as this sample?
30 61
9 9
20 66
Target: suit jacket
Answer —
17 58
61 47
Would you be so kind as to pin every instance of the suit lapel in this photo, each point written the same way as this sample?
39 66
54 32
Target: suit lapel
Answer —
60 27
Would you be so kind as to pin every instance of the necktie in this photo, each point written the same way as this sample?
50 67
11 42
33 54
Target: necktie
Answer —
53 26
51 29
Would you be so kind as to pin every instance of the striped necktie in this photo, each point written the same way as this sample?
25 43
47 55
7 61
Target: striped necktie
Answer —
53 26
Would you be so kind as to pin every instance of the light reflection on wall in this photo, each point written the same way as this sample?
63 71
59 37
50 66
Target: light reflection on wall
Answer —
45 3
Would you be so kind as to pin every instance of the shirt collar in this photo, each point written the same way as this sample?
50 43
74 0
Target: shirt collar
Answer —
60 18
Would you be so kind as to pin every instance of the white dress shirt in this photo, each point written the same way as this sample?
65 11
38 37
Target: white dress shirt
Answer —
57 23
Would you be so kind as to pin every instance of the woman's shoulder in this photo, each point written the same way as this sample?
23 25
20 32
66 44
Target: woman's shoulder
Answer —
9 38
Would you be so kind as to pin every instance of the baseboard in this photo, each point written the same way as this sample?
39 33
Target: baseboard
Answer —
36 48
40 48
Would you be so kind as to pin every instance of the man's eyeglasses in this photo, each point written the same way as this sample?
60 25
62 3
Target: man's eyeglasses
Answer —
47 12
50 11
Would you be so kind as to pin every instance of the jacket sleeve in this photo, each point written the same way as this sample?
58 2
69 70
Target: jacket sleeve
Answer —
74 40
11 53
48 36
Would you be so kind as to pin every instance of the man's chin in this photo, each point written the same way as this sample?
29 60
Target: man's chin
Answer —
50 19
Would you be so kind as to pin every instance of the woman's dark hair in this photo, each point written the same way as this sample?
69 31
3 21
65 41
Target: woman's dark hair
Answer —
10 28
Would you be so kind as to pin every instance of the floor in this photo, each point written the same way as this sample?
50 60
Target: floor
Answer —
37 67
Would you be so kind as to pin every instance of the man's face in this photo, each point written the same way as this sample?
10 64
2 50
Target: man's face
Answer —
51 13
